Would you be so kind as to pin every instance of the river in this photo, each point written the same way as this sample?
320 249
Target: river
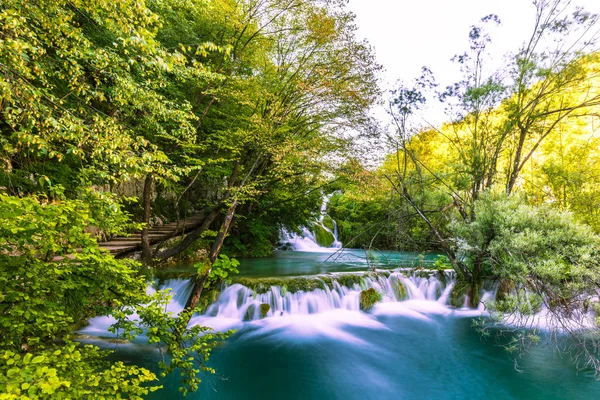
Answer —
319 345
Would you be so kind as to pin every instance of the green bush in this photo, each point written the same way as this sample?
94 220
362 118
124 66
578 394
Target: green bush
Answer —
540 256
54 277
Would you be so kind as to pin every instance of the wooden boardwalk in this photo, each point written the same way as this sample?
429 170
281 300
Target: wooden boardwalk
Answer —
127 244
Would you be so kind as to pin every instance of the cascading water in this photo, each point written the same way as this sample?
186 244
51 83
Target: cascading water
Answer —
242 303
308 240
238 303
305 241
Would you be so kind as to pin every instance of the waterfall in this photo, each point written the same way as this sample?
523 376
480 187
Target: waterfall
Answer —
402 292
307 240
238 302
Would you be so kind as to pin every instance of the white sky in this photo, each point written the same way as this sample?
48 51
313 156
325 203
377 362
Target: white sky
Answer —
409 34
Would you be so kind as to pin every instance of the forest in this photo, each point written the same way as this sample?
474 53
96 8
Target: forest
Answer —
118 118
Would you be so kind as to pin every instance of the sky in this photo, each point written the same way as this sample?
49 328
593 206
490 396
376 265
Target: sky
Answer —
409 34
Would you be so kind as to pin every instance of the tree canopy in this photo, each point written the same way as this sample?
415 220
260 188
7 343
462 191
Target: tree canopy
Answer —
118 115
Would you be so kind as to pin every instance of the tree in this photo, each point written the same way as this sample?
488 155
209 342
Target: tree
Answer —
86 102
550 84
499 120
315 82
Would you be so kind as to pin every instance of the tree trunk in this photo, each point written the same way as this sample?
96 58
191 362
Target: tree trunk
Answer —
194 298
146 201
220 239
514 173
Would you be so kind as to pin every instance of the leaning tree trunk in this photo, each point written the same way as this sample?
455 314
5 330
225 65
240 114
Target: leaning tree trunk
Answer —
214 253
459 267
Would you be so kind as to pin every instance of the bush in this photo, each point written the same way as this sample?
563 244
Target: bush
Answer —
542 258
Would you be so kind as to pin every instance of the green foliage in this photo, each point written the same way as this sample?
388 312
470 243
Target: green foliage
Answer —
358 219
83 84
108 217
255 235
70 371
543 258
368 298
441 263
184 348
510 239
221 270
44 297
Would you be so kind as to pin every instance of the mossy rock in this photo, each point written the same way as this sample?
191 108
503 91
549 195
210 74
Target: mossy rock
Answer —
349 280
323 236
264 309
328 223
250 313
368 298
400 290
302 283
291 285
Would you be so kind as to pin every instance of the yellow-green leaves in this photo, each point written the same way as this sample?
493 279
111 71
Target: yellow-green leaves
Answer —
74 371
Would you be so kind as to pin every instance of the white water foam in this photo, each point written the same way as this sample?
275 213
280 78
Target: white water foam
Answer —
423 294
327 311
179 289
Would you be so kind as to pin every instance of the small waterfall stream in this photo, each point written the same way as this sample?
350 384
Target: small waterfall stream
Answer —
307 240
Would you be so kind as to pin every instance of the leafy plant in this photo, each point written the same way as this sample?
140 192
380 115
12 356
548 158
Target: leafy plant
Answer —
222 270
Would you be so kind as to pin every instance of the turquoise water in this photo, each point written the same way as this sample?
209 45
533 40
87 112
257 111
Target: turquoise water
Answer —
294 263
287 263
404 358
415 349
